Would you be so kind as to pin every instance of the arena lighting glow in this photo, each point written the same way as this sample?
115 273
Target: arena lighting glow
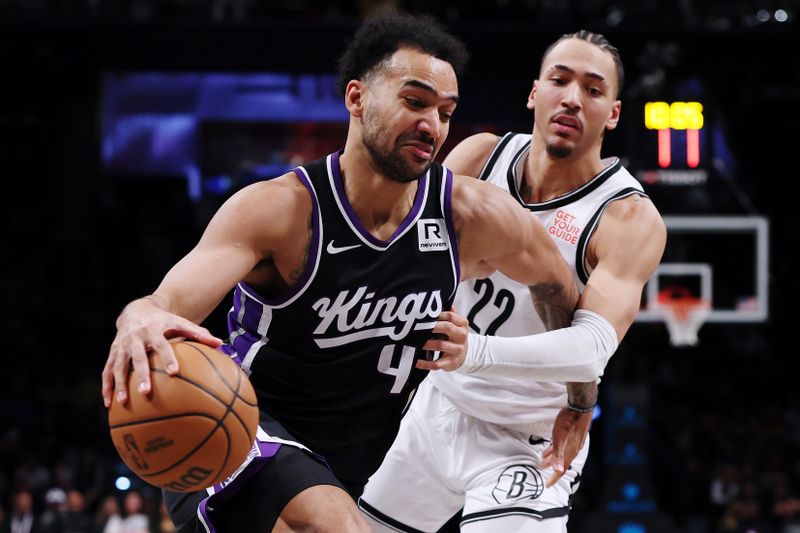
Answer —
781 15
122 483
631 527
663 117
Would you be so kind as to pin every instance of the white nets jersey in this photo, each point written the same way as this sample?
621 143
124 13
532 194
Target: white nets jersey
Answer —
499 306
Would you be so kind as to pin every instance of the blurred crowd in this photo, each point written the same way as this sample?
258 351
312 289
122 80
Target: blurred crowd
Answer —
724 436
69 512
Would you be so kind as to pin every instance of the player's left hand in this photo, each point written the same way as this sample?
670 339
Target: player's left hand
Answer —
450 338
569 434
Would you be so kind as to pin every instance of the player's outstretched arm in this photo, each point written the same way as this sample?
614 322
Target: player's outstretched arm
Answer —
496 233
626 249
244 232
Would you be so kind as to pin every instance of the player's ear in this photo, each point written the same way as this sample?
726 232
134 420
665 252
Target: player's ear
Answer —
354 97
613 117
531 96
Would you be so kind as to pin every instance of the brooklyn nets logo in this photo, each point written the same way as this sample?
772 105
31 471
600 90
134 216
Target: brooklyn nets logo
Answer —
518 482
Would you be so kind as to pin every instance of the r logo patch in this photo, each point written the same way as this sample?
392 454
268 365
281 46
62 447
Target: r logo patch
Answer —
432 235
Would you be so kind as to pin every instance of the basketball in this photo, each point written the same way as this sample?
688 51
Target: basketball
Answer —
195 429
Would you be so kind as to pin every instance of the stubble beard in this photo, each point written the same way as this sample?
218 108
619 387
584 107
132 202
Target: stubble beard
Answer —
559 152
389 161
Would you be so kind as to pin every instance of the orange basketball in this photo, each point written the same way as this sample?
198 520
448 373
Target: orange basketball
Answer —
196 427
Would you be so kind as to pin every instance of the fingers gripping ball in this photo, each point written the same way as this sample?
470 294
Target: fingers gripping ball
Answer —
196 427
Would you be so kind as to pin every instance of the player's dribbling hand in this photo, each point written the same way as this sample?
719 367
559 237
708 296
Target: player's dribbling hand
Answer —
449 338
143 327
569 434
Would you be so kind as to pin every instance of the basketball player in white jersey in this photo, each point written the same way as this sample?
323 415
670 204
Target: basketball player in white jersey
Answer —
483 437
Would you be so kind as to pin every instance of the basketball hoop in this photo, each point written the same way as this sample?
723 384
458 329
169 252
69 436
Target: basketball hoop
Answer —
683 313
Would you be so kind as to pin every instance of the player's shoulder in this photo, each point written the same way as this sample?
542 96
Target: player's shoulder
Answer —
483 205
635 209
276 191
635 217
469 156
477 193
283 198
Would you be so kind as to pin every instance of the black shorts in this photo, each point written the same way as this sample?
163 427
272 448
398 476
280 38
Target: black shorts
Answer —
256 504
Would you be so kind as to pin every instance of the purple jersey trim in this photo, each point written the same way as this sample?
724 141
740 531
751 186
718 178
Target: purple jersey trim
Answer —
253 303
224 492
230 351
242 344
422 185
249 307
313 252
448 219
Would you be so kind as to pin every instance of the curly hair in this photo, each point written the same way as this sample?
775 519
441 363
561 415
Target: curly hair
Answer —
380 37
599 41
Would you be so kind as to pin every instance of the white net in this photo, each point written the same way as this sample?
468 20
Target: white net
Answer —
684 317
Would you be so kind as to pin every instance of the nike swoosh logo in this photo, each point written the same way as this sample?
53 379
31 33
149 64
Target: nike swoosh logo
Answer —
333 250
536 442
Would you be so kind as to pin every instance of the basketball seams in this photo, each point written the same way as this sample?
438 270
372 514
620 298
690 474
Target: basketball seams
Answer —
190 381
159 419
234 390
200 445
199 420
191 452
228 406
219 374
213 366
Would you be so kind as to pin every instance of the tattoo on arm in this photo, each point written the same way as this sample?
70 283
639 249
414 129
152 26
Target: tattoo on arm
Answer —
582 395
554 304
297 272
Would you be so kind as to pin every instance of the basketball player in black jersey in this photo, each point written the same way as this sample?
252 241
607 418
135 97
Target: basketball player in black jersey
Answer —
343 269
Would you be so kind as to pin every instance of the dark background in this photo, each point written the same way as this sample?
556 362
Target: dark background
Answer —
80 242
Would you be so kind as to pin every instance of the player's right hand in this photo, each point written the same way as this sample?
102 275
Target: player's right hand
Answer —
142 328
569 435
449 337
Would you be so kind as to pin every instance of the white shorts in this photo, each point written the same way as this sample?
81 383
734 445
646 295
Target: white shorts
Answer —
443 460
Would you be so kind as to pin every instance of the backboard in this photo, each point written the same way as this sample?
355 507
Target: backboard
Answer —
720 263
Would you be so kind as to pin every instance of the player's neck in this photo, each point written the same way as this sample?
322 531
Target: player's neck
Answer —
380 203
546 177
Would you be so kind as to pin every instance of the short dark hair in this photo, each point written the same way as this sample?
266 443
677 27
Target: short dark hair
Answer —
599 41
381 36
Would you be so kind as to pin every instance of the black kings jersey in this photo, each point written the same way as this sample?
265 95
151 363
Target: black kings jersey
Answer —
333 360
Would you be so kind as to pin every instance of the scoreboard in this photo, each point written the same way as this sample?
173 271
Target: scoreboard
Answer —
681 116
672 149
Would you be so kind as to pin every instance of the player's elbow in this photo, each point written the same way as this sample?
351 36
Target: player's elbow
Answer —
591 370
600 337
